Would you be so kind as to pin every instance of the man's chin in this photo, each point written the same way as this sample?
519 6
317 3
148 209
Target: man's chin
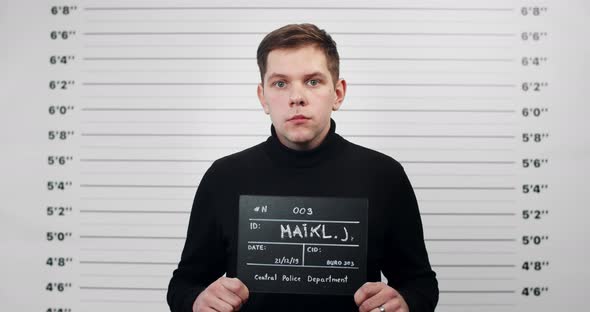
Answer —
305 144
300 138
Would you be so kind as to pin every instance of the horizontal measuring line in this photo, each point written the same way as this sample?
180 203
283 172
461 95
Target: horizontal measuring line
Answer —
172 109
474 265
227 58
360 97
483 85
120 276
236 58
465 226
130 211
468 200
157 249
499 162
478 304
413 174
432 110
301 244
176 147
169 83
127 275
121 288
163 289
149 224
176 134
234 45
302 266
144 301
342 110
103 172
311 221
128 262
429 59
265 135
476 278
473 252
142 160
467 214
467 85
139 185
491 188
177 122
478 291
380 8
88 198
470 239
184 212
131 237
194 186
216 33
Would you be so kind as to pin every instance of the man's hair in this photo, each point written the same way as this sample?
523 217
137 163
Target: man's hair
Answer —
294 36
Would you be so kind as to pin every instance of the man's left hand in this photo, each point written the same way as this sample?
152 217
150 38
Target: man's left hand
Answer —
373 296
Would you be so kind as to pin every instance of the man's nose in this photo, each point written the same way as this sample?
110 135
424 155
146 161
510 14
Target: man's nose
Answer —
296 98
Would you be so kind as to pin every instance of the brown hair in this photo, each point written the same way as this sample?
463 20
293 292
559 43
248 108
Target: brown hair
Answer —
295 36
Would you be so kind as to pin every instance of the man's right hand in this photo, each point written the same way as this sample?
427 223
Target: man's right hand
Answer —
224 295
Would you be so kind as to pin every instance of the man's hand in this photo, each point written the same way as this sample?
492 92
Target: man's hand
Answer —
223 295
372 296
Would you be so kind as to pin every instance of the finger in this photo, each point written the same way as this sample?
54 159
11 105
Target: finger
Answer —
237 287
366 291
219 305
229 297
385 295
390 306
202 302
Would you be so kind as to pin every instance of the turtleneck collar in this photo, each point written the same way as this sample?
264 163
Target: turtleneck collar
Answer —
287 157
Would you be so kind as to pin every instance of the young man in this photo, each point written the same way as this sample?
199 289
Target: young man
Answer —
300 87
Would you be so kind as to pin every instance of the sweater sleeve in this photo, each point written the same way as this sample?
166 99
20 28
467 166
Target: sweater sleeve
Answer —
406 264
203 258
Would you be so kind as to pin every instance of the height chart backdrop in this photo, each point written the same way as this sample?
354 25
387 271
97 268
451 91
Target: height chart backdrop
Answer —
113 110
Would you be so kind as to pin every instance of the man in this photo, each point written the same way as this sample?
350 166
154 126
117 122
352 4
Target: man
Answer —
299 89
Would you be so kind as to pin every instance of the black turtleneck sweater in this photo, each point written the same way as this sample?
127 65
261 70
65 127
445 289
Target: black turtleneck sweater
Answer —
336 168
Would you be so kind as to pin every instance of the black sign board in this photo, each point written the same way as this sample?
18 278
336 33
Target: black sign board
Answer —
302 245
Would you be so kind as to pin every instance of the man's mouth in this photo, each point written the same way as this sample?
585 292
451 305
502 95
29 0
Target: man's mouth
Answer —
298 117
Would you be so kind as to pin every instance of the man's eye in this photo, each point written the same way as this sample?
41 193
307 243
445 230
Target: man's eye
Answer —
280 84
313 82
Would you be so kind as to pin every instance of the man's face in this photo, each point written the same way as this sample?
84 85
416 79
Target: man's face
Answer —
299 95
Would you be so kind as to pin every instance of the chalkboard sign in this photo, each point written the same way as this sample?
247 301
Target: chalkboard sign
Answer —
302 245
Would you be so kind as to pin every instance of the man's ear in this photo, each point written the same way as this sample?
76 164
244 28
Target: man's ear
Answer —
261 99
339 93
